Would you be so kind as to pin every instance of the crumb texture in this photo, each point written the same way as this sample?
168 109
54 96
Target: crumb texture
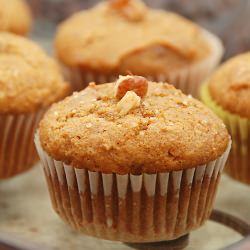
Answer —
167 131
29 79
15 16
229 86
158 38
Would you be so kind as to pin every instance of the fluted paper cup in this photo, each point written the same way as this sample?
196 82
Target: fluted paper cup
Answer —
238 165
188 79
17 149
132 208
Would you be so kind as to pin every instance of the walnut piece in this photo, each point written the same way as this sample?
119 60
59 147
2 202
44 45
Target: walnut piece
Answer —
138 84
130 101
133 10
118 3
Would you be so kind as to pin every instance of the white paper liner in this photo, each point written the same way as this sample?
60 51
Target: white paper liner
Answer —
188 79
17 149
132 208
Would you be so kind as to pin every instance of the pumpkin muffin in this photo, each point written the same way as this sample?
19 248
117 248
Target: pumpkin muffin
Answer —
29 82
15 16
227 93
133 161
160 45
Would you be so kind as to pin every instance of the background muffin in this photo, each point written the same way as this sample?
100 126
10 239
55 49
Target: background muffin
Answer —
160 45
29 82
15 16
227 93
134 161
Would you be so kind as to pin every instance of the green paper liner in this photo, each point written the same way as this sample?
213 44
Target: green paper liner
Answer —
238 164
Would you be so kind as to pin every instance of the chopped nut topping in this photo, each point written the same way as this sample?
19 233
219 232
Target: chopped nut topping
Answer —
130 101
118 3
133 10
138 84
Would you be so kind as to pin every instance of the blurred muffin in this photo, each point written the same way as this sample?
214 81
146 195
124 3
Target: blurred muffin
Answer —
133 161
15 16
29 82
121 36
227 93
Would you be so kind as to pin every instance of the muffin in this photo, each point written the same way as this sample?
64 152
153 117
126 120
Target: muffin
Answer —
29 82
15 17
133 161
227 93
160 45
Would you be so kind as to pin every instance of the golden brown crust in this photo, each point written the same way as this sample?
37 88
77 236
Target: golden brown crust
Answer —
168 131
230 85
29 79
122 45
15 16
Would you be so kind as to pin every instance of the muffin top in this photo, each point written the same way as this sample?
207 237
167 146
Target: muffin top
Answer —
229 86
132 126
29 79
116 30
15 16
